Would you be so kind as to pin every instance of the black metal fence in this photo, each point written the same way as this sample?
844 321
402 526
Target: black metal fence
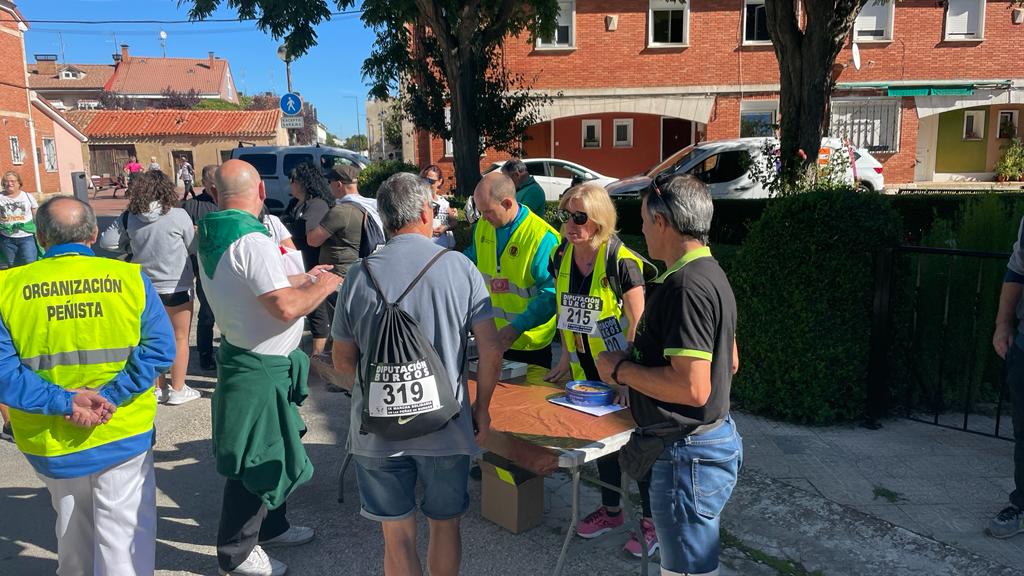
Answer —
931 356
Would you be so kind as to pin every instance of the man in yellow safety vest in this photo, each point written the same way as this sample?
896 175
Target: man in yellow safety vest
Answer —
512 247
82 337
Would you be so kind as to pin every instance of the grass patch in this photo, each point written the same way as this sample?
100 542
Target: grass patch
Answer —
888 495
783 566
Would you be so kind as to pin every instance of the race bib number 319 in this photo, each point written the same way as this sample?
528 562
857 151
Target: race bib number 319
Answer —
402 390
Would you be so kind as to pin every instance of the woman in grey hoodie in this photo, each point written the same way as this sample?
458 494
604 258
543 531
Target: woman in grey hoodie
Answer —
160 238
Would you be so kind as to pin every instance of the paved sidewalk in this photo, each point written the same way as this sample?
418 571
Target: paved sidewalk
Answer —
940 483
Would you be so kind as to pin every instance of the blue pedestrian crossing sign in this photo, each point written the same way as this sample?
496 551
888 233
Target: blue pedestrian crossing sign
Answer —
291 104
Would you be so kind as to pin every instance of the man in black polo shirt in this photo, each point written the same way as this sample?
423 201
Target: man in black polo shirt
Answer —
679 373
197 207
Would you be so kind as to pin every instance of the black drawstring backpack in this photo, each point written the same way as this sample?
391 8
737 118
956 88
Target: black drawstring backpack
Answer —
407 392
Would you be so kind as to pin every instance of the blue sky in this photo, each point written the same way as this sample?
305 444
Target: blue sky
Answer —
328 75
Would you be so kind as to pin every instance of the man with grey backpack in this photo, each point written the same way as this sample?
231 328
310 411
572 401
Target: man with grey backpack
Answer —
401 326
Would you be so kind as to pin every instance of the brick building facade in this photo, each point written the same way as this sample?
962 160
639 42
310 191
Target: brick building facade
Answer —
36 141
939 89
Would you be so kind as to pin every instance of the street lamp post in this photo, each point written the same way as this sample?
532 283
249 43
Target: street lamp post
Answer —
282 53
358 123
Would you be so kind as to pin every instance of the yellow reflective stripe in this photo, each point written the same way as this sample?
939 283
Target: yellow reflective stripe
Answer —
699 354
702 252
78 358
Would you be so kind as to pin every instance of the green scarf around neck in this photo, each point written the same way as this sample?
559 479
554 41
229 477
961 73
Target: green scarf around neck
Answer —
218 230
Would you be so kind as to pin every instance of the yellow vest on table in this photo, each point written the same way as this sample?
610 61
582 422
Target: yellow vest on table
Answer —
510 279
74 321
611 306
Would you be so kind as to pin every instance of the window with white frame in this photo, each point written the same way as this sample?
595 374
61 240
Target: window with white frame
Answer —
50 154
870 123
758 118
974 125
965 20
622 130
874 24
1008 122
591 133
564 34
17 154
669 22
448 149
755 23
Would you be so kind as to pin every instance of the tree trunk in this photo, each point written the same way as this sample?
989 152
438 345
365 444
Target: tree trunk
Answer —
465 134
806 57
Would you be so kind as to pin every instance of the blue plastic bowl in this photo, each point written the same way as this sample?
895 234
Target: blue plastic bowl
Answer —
601 396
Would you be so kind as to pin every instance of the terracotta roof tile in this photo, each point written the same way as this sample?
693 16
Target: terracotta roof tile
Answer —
141 75
96 76
98 124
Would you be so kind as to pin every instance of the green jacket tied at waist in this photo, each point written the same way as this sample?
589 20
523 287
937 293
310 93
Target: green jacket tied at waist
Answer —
256 422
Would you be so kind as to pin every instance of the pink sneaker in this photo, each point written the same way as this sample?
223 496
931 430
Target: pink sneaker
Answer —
633 545
598 522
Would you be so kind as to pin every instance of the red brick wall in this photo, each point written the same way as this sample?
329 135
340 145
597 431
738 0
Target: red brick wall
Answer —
622 58
609 160
14 103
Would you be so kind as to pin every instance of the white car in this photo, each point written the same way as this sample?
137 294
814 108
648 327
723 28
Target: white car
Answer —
555 176
724 165
868 171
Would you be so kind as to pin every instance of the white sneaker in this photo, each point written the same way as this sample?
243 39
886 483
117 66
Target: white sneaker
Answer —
179 397
161 395
294 536
258 564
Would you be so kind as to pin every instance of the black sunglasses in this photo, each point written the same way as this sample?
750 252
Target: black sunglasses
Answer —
578 218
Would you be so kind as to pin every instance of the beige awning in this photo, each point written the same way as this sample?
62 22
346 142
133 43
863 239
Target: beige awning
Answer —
932 105
695 108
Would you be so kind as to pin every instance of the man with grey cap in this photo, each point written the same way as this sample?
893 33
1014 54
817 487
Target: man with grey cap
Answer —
528 192
341 230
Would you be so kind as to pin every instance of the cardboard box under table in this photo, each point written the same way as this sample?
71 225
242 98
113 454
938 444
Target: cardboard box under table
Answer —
541 437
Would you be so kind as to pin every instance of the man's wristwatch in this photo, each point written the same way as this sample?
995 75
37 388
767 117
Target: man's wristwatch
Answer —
615 371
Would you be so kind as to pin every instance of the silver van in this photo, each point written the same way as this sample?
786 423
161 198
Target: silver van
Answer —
275 164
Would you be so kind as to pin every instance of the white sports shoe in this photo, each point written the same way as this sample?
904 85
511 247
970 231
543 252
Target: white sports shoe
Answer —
161 395
258 564
294 536
179 397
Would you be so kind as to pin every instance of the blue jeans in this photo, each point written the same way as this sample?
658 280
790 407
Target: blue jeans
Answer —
690 484
18 251
387 486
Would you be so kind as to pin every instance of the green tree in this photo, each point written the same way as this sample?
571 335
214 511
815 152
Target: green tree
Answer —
355 142
454 62
332 140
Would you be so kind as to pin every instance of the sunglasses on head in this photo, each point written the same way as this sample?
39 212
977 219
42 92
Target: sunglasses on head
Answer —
578 218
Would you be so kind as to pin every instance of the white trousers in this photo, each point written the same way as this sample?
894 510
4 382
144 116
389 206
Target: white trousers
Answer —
106 522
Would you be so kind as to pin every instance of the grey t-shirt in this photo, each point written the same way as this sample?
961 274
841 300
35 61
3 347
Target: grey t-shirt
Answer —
1015 273
446 302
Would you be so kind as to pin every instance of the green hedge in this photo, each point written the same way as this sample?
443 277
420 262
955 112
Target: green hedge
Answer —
375 174
804 287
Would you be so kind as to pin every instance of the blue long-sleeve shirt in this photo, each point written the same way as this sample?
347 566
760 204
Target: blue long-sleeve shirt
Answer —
542 307
24 390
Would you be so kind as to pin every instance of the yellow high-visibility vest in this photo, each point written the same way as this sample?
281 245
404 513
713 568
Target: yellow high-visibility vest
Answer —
75 321
611 306
510 279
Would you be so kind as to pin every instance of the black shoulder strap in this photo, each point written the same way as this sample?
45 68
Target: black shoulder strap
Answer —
124 221
611 266
373 281
559 253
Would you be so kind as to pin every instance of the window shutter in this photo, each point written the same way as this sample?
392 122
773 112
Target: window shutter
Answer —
962 18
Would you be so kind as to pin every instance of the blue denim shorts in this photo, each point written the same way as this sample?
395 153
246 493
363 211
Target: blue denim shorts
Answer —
690 483
387 486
